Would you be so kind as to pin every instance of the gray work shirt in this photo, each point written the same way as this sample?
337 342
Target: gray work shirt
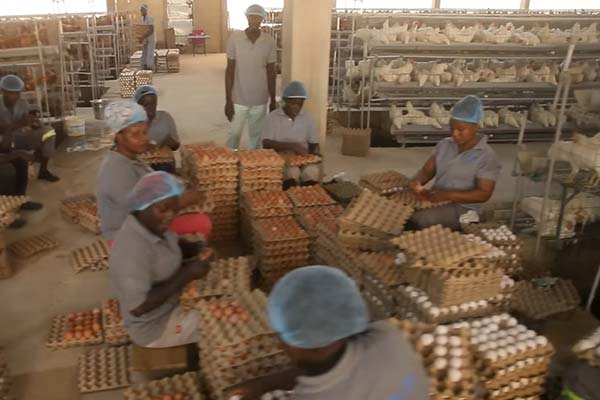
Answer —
250 87
281 128
161 128
7 116
117 176
138 261
377 365
460 171
149 21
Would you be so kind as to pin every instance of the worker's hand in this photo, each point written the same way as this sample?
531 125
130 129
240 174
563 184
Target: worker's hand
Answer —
437 196
273 106
416 187
229 111
198 269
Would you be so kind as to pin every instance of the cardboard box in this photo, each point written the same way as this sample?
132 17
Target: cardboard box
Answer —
355 142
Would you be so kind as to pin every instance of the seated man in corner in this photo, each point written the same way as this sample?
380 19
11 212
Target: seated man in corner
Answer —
465 169
289 130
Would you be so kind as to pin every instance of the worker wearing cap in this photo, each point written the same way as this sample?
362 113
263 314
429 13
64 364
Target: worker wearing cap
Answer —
148 40
464 169
250 79
288 129
162 130
323 324
147 268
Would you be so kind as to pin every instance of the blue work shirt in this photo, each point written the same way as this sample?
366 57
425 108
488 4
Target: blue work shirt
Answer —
456 171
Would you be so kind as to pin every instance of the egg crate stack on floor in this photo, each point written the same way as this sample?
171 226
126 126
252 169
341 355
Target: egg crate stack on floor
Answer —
93 257
135 61
379 298
112 323
6 385
226 277
237 342
31 246
143 77
83 211
260 170
214 171
161 60
447 357
173 64
588 348
301 160
9 209
104 369
127 82
281 245
408 198
370 221
75 329
161 155
501 237
343 192
261 204
540 301
310 217
177 387
383 266
512 361
384 183
309 196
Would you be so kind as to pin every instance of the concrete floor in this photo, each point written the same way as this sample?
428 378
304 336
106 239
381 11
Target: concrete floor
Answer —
46 285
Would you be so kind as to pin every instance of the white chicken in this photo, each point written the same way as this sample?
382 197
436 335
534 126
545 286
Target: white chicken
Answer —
490 119
396 71
441 115
408 36
429 34
552 36
354 72
506 74
462 35
543 74
411 116
582 153
541 116
350 96
371 37
510 118
392 32
523 37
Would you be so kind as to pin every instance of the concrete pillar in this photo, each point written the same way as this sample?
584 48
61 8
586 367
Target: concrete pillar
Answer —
211 15
306 41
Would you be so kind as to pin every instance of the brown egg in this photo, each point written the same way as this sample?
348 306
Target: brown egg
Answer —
87 334
96 327
68 335
77 335
167 397
218 314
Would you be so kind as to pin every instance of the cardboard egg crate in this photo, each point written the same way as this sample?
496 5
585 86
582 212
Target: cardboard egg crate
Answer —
75 329
31 246
143 77
378 297
362 241
408 198
83 211
267 185
309 196
114 330
300 160
309 217
382 265
343 192
93 256
260 170
161 155
206 155
441 246
104 369
263 204
6 384
226 277
206 207
588 348
330 251
127 83
12 203
177 387
537 302
6 219
497 235
260 158
383 183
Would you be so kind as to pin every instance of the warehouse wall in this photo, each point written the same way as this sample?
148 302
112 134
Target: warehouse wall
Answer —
157 9
211 15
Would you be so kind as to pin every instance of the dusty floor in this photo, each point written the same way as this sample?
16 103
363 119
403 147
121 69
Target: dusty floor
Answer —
46 285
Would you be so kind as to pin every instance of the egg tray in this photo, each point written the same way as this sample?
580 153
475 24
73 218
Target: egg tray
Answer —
343 191
143 77
208 174
127 83
309 196
488 231
362 241
83 211
522 370
382 265
263 204
261 158
31 246
251 187
9 204
329 249
178 387
112 323
378 297
440 245
205 208
158 156
309 217
236 365
59 328
104 369
279 229
7 219
300 160
226 276
375 215
409 199
204 155
540 303
92 256
532 389
385 182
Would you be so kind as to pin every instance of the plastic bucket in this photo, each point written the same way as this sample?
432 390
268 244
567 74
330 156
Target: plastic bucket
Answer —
75 126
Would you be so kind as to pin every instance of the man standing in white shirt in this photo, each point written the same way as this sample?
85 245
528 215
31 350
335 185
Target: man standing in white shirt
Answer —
148 40
250 79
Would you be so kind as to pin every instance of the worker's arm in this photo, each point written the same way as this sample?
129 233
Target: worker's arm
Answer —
314 148
481 194
271 82
297 148
190 249
149 33
254 389
171 143
425 174
229 78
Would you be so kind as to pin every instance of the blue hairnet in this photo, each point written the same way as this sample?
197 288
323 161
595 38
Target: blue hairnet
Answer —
12 83
314 306
295 90
144 7
153 188
142 91
122 113
468 109
256 9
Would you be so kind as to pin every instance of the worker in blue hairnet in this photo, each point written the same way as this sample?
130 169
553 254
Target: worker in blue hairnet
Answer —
288 129
323 324
147 267
148 39
464 169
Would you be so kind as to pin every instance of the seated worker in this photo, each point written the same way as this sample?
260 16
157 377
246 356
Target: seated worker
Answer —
161 128
323 324
22 128
465 169
147 268
289 130
121 170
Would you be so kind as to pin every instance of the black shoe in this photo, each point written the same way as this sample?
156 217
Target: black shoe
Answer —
18 223
48 176
289 183
32 206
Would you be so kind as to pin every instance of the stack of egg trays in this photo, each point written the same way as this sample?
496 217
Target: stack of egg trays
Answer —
56 337
6 389
260 170
384 183
588 348
301 160
104 369
83 211
309 196
541 302
9 208
31 246
226 277
127 83
343 192
262 204
114 329
512 361
382 265
184 385
281 245
93 256
408 198
378 297
310 217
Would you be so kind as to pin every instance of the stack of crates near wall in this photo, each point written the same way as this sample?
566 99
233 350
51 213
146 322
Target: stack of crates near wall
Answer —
173 60
161 60
135 61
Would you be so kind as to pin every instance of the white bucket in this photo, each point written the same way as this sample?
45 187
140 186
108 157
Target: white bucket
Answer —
75 126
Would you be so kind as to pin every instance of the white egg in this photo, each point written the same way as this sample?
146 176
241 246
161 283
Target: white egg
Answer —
482 303
464 307
521 347
441 340
476 324
427 305
441 330
496 319
454 375
434 311
493 327
491 355
456 352
485 347
454 341
502 343
456 363
512 350
454 309
502 353
440 351
482 338
440 363
531 343
426 339
422 299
